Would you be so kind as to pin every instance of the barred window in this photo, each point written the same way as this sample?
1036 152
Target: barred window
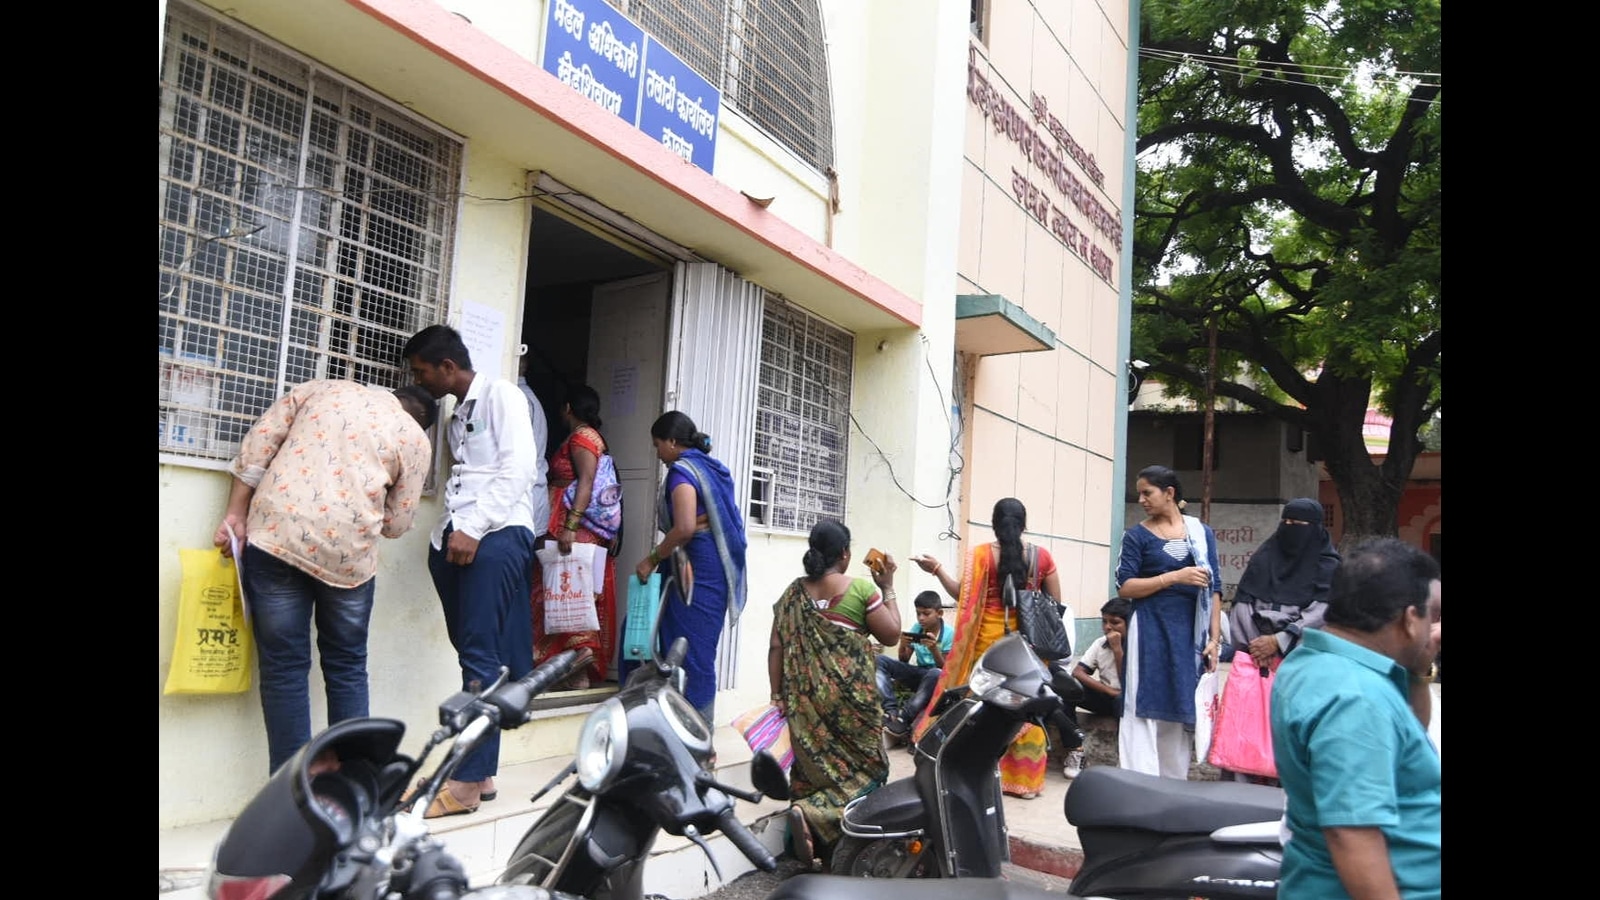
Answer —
802 420
306 231
767 57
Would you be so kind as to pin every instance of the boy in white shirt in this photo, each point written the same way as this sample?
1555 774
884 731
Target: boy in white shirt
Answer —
1098 670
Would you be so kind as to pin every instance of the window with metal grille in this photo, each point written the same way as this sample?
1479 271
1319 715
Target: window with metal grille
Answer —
802 420
306 231
768 58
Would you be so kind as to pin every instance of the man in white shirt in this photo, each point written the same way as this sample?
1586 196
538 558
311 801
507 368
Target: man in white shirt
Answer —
481 553
541 436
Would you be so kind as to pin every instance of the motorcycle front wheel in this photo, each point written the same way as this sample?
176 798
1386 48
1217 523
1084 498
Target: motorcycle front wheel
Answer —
866 858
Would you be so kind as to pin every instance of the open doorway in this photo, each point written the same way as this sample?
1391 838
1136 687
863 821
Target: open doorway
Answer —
595 312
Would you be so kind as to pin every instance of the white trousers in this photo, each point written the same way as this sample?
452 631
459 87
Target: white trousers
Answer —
1152 746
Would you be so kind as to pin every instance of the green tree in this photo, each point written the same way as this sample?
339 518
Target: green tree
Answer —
1288 194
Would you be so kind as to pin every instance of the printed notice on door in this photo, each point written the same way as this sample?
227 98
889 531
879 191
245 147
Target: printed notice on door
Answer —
624 388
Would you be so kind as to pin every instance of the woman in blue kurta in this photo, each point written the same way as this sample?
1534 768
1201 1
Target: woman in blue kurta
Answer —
699 512
1168 568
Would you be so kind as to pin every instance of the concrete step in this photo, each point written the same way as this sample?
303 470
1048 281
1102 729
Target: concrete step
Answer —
482 840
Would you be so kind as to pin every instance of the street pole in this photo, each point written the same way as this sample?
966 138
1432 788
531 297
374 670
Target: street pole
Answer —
1211 422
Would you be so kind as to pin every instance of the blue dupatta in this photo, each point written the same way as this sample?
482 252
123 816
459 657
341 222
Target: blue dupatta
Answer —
1195 531
715 484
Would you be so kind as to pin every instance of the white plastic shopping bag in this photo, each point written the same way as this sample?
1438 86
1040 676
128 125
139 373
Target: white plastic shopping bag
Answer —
569 588
1205 714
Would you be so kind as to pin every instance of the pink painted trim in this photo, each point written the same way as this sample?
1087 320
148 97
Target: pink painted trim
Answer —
446 34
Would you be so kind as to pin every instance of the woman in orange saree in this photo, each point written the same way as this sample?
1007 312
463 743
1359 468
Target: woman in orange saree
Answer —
576 461
980 621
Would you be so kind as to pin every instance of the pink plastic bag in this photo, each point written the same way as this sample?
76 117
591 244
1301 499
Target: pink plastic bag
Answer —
1242 738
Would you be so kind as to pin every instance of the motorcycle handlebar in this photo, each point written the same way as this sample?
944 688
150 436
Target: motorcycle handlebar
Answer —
748 844
512 700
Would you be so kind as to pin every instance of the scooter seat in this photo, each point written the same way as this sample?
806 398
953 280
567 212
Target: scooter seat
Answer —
841 887
1110 797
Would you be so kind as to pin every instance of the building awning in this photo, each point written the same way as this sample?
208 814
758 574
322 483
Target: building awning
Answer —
989 324
440 66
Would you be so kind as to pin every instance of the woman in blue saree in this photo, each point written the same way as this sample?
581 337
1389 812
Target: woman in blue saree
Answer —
699 512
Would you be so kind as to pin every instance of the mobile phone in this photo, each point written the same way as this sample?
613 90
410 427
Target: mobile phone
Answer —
875 560
915 636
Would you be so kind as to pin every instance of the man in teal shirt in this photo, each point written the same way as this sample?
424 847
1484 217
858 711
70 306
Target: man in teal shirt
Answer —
1349 732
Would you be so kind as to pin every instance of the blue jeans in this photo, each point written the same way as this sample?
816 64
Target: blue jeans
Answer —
489 620
921 679
282 601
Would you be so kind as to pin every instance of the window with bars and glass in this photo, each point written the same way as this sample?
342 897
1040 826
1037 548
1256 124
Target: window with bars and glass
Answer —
802 428
306 231
767 57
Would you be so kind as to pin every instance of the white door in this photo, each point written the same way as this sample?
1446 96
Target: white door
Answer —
627 359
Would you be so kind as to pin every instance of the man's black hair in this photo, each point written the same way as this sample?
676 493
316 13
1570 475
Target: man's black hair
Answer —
437 343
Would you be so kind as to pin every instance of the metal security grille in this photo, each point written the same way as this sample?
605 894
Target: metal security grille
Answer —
802 420
305 227
768 58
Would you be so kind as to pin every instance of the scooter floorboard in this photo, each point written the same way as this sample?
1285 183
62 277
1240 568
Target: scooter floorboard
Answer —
840 887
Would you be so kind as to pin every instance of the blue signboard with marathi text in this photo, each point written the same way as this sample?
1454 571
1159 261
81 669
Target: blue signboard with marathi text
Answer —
600 53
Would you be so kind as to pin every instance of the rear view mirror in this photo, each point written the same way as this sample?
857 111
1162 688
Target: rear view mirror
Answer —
768 777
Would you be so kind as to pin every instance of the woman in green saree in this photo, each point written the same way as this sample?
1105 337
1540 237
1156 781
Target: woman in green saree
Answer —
821 663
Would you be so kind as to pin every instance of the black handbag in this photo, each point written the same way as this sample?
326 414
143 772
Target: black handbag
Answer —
1039 616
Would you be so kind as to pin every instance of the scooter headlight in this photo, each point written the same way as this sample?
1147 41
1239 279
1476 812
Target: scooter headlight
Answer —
987 686
602 745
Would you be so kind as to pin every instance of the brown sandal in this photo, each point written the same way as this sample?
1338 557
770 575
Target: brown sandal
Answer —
446 804
800 837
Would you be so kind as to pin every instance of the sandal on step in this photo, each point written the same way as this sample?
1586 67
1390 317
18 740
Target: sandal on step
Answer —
800 837
446 804
423 782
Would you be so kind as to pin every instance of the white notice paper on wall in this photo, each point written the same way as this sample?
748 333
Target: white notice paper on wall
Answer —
483 330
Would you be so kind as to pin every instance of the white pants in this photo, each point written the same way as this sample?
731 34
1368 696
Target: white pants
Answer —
1151 746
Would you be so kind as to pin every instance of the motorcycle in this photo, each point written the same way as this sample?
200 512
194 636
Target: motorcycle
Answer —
334 822
640 769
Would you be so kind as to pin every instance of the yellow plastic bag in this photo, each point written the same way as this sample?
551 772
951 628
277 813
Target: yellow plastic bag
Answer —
211 654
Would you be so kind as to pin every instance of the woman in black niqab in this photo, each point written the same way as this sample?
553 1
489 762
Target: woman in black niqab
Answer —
1284 589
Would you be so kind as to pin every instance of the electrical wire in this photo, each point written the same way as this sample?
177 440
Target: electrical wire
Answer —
954 452
1185 55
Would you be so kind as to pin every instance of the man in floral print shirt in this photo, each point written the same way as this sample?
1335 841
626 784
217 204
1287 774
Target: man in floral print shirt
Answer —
327 469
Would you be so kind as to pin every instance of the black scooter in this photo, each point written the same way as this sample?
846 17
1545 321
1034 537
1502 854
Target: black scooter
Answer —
947 820
640 770
1143 837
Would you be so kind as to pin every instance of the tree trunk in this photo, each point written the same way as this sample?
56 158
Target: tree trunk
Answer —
1369 493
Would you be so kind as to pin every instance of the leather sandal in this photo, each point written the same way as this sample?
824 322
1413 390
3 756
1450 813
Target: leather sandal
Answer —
800 837
483 796
446 804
